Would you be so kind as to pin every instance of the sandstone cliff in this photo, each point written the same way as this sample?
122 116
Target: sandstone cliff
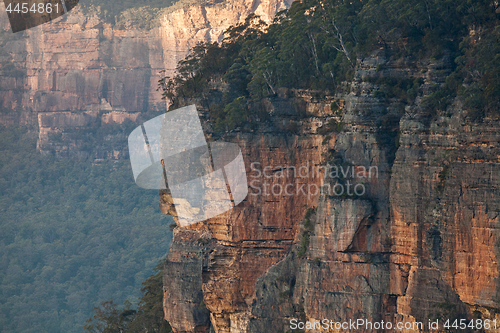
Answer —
67 75
419 243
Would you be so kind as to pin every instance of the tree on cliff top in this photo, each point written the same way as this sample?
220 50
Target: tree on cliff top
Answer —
316 43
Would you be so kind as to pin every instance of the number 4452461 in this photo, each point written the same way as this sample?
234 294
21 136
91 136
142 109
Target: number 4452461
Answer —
475 324
36 8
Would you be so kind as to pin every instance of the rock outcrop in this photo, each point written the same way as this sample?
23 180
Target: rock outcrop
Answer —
415 239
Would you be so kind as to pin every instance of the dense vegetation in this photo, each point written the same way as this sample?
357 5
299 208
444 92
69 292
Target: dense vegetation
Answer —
147 318
316 43
73 235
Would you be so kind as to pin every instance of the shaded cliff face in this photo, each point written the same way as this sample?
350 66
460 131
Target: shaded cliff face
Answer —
81 71
418 241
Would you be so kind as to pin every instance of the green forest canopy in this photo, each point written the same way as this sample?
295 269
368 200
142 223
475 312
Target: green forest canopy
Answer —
315 44
73 235
108 318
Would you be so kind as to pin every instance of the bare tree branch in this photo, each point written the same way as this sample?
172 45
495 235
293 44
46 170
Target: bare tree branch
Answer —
340 38
315 53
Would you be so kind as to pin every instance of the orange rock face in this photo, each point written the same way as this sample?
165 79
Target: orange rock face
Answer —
419 243
246 241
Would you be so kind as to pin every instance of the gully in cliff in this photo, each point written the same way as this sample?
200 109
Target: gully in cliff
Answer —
170 153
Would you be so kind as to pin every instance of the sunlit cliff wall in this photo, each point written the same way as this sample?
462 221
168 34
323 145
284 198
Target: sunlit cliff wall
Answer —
421 243
71 73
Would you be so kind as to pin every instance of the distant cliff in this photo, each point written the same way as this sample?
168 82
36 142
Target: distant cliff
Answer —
417 241
81 71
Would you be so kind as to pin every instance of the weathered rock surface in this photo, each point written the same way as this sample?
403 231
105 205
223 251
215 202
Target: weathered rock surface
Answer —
420 242
258 233
183 281
182 28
